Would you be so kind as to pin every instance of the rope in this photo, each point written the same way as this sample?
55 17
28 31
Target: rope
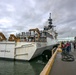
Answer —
67 57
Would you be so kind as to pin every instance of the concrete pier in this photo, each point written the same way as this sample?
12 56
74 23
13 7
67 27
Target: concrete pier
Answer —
56 66
62 67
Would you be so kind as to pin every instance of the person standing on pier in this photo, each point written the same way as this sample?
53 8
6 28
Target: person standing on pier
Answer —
63 47
68 47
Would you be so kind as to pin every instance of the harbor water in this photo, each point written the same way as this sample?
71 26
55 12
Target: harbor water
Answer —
34 67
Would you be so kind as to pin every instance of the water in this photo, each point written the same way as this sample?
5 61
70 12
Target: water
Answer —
33 67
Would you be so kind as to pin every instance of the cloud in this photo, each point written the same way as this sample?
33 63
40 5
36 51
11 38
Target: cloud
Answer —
21 15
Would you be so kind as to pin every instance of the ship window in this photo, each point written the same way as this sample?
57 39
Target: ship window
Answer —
50 36
42 39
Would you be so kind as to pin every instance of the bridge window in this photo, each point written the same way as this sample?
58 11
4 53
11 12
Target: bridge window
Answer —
50 36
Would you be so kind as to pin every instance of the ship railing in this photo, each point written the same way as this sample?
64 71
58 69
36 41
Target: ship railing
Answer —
53 50
25 46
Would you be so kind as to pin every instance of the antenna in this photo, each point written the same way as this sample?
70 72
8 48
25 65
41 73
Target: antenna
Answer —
50 26
50 16
50 22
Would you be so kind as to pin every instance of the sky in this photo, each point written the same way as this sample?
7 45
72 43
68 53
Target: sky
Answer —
21 15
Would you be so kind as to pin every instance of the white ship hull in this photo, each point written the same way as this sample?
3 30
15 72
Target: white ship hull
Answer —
22 50
7 49
28 51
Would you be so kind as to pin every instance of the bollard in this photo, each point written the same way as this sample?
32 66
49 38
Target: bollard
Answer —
53 50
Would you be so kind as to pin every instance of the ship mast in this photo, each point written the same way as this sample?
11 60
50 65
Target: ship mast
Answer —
50 26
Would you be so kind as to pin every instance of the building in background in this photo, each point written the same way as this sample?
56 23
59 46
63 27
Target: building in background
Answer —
66 39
